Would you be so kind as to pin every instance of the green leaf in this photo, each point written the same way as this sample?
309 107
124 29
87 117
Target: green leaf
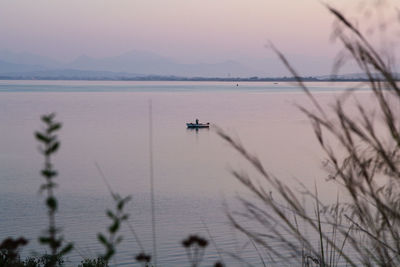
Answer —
51 203
48 118
54 127
44 240
53 148
110 214
102 238
49 173
120 205
67 249
114 227
42 138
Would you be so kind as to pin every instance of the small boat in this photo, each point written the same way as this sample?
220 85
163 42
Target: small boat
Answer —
198 125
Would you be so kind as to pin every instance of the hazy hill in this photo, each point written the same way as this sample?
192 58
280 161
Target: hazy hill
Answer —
28 59
141 63
8 67
133 62
153 64
69 74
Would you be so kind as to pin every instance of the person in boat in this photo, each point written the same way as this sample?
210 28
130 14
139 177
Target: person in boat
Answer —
197 121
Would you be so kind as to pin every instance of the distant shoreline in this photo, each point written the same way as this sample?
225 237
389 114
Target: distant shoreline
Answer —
184 79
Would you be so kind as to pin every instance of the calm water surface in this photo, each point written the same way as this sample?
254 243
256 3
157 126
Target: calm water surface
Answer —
108 123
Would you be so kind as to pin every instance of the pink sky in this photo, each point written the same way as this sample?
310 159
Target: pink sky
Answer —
186 30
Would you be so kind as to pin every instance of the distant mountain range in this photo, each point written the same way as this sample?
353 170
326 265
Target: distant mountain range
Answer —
132 64
138 65
28 59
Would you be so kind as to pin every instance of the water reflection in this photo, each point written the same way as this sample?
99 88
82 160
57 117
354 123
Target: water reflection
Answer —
190 166
197 129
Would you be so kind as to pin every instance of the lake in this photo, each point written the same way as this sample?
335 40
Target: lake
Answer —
107 123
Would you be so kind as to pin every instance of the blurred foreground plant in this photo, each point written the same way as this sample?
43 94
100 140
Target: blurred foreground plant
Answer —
364 160
99 262
195 247
9 251
117 217
49 146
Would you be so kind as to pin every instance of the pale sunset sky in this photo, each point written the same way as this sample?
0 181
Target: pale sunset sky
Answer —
188 31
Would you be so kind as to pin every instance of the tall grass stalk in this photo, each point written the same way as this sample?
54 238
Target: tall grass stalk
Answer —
212 239
366 228
117 216
152 195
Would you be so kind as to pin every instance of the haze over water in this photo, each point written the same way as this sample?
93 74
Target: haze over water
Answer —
108 123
